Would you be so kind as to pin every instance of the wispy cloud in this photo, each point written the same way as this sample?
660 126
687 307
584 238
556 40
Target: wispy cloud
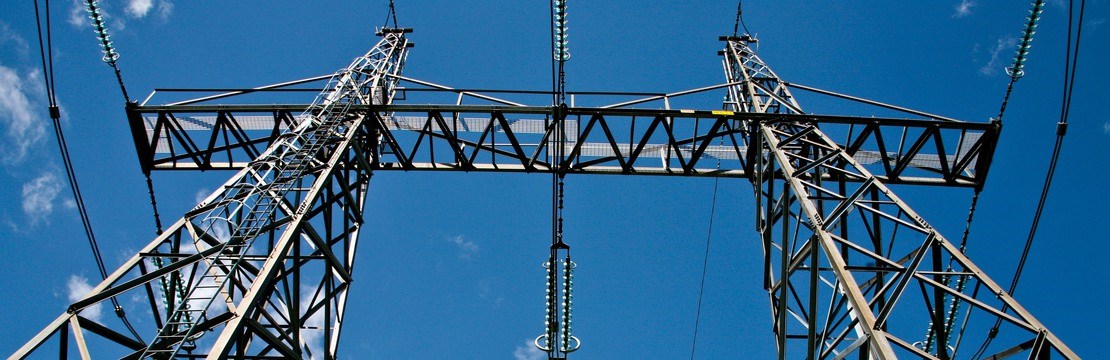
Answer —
77 287
139 8
486 292
39 195
963 8
1106 128
467 248
1096 24
77 16
1004 43
200 195
528 351
312 332
9 37
21 123
165 9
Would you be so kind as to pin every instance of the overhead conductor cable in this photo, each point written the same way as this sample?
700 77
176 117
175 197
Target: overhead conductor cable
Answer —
47 57
1070 64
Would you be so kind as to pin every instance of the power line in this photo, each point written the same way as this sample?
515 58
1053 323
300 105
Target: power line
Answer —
1061 130
391 15
1070 63
47 57
739 20
705 262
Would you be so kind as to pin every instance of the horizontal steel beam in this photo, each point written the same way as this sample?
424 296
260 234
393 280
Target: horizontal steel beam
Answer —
497 138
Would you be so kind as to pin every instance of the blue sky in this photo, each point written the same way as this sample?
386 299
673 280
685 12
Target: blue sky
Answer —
459 275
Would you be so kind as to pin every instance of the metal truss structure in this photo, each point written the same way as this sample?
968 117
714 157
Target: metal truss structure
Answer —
845 258
261 268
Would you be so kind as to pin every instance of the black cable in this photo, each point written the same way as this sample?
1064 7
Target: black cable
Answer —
705 262
393 12
1070 64
47 57
391 15
739 20
42 52
1061 130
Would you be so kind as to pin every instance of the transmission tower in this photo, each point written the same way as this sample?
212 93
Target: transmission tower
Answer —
265 262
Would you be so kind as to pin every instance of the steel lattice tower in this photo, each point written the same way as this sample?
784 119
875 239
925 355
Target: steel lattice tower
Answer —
267 259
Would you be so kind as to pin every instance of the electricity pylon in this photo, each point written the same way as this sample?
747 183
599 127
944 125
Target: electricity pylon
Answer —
261 268
843 253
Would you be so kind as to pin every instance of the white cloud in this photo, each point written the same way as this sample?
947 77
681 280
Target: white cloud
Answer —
528 352
77 287
165 9
1005 43
139 8
77 16
1106 127
201 194
467 248
216 227
312 331
963 8
39 195
22 124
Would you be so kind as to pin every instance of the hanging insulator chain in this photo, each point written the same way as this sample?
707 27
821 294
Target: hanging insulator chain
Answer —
544 341
562 53
110 54
569 342
557 337
1016 70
